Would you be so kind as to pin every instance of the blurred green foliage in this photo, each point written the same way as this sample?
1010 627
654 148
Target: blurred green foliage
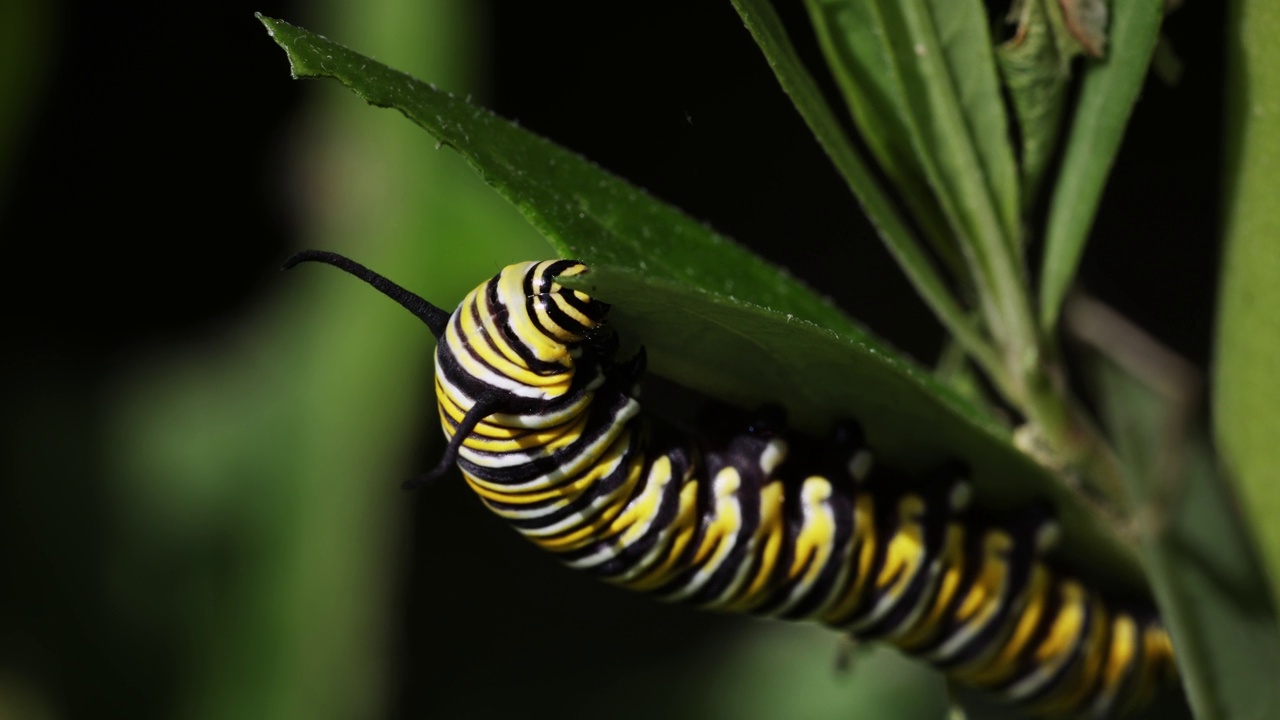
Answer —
26 44
1247 402
269 454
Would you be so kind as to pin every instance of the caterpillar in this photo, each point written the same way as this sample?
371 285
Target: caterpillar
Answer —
546 427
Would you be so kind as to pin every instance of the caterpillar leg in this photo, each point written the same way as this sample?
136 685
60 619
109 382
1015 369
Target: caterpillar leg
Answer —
769 420
849 442
955 711
629 374
1038 525
846 657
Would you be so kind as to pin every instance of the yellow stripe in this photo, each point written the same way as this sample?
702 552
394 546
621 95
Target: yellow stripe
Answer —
1120 657
511 292
769 539
717 538
567 490
817 536
1000 667
492 427
927 627
471 346
681 532
490 343
984 598
865 549
594 528
1157 666
905 551
1075 689
639 515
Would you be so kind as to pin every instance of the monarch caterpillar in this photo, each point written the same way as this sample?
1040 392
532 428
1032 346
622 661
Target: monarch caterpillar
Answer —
546 428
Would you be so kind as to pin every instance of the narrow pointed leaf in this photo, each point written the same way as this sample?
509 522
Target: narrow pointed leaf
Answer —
766 28
848 33
965 40
1107 96
974 179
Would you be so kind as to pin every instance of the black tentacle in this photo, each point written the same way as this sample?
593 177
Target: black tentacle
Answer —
478 412
434 317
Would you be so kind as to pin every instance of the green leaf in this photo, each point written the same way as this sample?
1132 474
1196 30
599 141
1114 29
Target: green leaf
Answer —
965 40
954 370
766 28
934 59
1211 589
1107 96
944 75
712 315
1247 400
578 207
849 37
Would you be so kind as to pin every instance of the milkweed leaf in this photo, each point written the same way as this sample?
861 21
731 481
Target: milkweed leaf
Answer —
1247 400
1107 96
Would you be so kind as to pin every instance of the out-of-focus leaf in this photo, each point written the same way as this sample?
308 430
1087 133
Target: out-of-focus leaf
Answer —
1247 398
256 474
779 671
1210 587
20 698
1107 95
954 370
682 291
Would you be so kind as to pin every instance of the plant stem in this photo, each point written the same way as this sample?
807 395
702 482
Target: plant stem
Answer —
1071 435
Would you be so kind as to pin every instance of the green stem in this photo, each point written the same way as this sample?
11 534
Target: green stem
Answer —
1072 436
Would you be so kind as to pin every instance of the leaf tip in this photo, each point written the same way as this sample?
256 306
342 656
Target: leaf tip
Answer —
269 23
1086 20
287 37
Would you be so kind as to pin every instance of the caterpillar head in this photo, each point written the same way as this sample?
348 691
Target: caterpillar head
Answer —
523 328
570 316
510 349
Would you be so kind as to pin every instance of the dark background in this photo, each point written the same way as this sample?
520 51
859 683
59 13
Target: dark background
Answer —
143 205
